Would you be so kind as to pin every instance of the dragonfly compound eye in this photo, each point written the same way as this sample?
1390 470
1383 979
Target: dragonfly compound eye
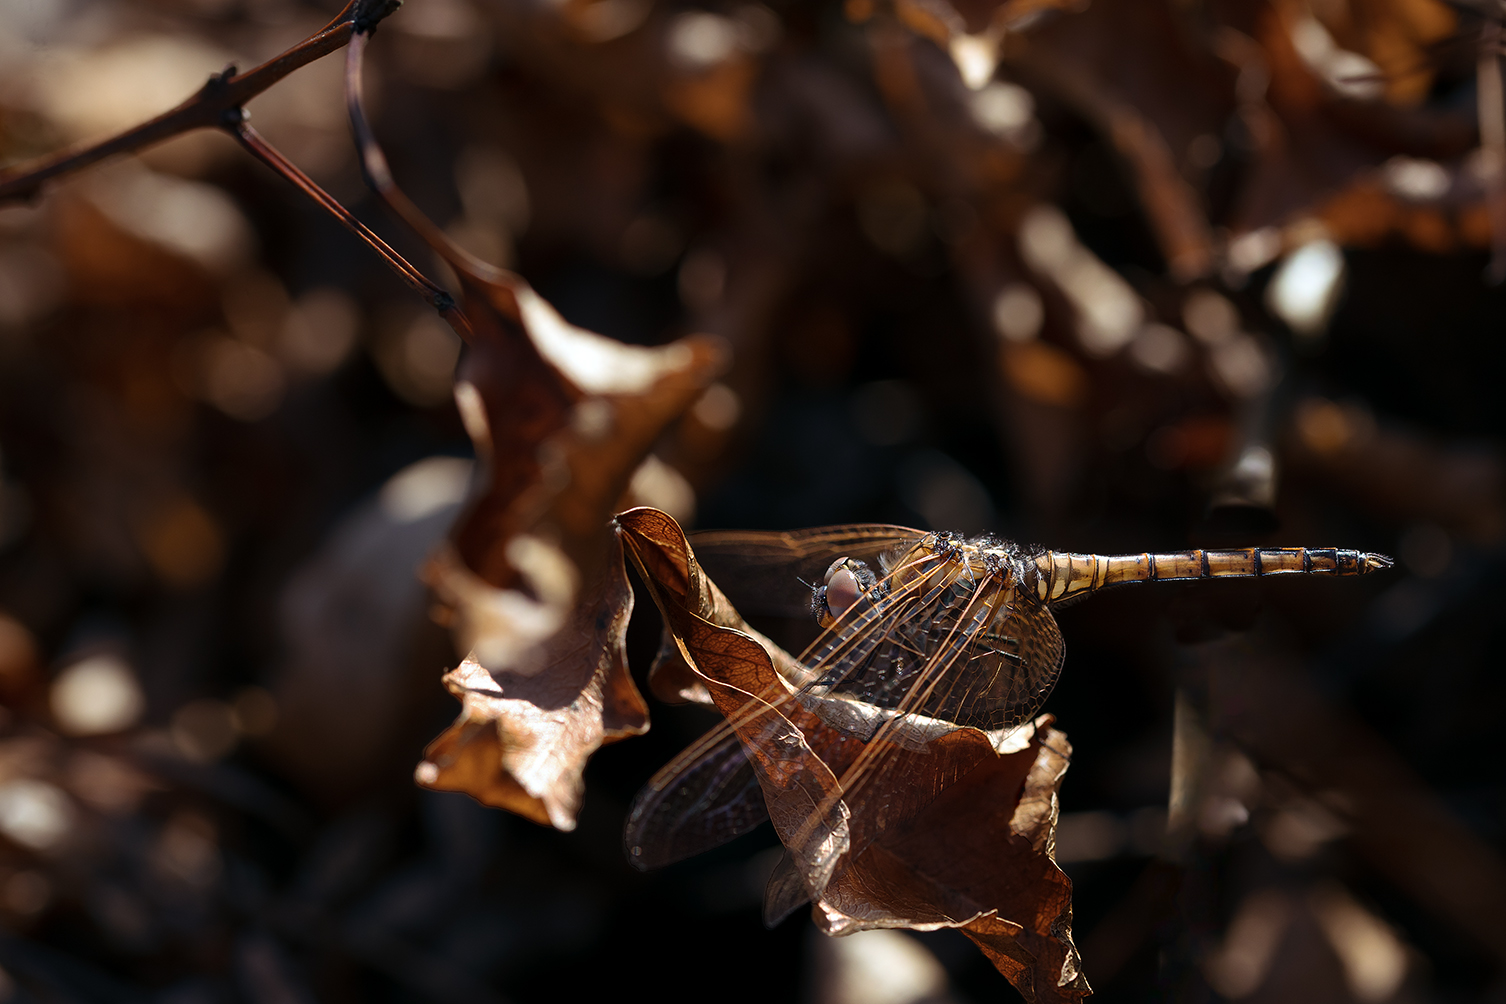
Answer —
845 581
842 592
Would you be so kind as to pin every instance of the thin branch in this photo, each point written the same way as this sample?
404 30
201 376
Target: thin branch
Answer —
218 104
379 177
269 155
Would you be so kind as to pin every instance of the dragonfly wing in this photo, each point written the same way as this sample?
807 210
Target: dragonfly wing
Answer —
762 572
940 648
957 653
703 798
710 793
785 893
972 653
1010 671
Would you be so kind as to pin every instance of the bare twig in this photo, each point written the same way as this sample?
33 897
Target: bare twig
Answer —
218 104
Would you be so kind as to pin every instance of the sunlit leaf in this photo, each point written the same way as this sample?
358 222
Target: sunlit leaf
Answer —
967 845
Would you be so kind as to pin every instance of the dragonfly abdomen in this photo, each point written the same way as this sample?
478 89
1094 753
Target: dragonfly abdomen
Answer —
1062 575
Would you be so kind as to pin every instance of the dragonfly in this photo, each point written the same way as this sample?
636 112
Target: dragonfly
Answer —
921 634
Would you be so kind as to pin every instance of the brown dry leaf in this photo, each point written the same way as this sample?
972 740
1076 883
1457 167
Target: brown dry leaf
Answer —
521 742
965 842
977 857
533 577
678 576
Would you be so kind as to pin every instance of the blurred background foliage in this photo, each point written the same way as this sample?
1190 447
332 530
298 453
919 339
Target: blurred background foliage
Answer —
1112 275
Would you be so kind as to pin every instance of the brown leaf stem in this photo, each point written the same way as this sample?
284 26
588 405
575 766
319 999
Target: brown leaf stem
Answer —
258 147
378 176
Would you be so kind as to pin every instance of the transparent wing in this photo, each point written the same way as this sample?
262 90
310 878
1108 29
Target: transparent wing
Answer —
762 572
948 649
1003 675
950 646
703 798
935 647
709 794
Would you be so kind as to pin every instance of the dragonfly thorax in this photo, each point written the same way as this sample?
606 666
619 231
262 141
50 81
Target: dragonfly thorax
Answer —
978 561
978 567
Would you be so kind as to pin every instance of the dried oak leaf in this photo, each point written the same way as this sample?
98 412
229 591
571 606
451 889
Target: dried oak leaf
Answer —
962 835
533 576
677 574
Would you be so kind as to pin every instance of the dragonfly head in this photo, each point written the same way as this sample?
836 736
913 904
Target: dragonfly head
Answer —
845 581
